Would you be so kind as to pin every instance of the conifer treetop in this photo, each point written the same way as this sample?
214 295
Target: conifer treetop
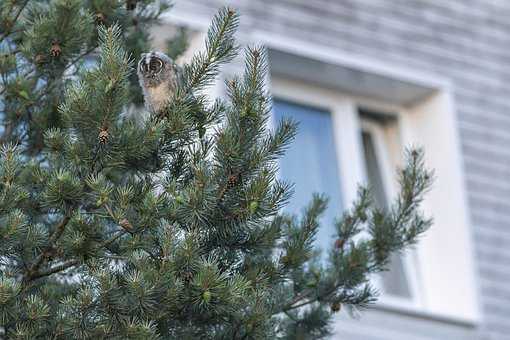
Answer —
136 226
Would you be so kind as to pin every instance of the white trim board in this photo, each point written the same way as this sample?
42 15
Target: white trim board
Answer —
356 62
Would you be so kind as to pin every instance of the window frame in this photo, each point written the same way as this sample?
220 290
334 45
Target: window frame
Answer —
347 129
387 164
347 126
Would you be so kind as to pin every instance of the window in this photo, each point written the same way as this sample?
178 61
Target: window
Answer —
378 133
364 144
311 163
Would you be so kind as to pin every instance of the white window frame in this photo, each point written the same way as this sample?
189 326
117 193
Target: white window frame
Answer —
428 284
348 125
387 158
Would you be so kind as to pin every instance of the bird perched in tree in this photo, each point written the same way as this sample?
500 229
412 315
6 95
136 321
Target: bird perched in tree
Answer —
158 76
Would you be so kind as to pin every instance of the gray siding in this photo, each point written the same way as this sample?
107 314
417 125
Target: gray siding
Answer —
467 41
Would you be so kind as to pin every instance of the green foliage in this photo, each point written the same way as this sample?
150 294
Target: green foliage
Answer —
119 226
56 34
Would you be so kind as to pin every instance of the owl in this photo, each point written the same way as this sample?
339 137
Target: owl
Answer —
158 76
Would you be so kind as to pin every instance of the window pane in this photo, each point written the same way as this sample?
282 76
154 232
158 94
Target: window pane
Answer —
395 280
374 172
311 163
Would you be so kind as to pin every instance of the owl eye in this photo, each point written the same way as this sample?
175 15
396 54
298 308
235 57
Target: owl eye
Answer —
155 65
144 67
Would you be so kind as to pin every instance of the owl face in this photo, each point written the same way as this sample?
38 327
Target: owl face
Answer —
155 68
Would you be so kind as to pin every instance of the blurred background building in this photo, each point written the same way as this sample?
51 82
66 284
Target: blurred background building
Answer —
366 78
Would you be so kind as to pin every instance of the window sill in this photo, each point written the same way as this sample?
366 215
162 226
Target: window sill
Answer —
410 308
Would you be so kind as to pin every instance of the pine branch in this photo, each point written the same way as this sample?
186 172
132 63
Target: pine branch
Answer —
220 48
53 270
16 17
112 239
292 304
46 253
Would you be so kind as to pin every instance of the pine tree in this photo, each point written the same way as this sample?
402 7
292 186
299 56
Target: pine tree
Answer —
117 226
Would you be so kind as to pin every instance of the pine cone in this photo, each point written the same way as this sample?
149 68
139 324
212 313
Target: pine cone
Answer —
124 223
187 276
336 306
56 49
339 243
103 136
232 180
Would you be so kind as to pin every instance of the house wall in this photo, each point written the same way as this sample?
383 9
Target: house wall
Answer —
465 41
